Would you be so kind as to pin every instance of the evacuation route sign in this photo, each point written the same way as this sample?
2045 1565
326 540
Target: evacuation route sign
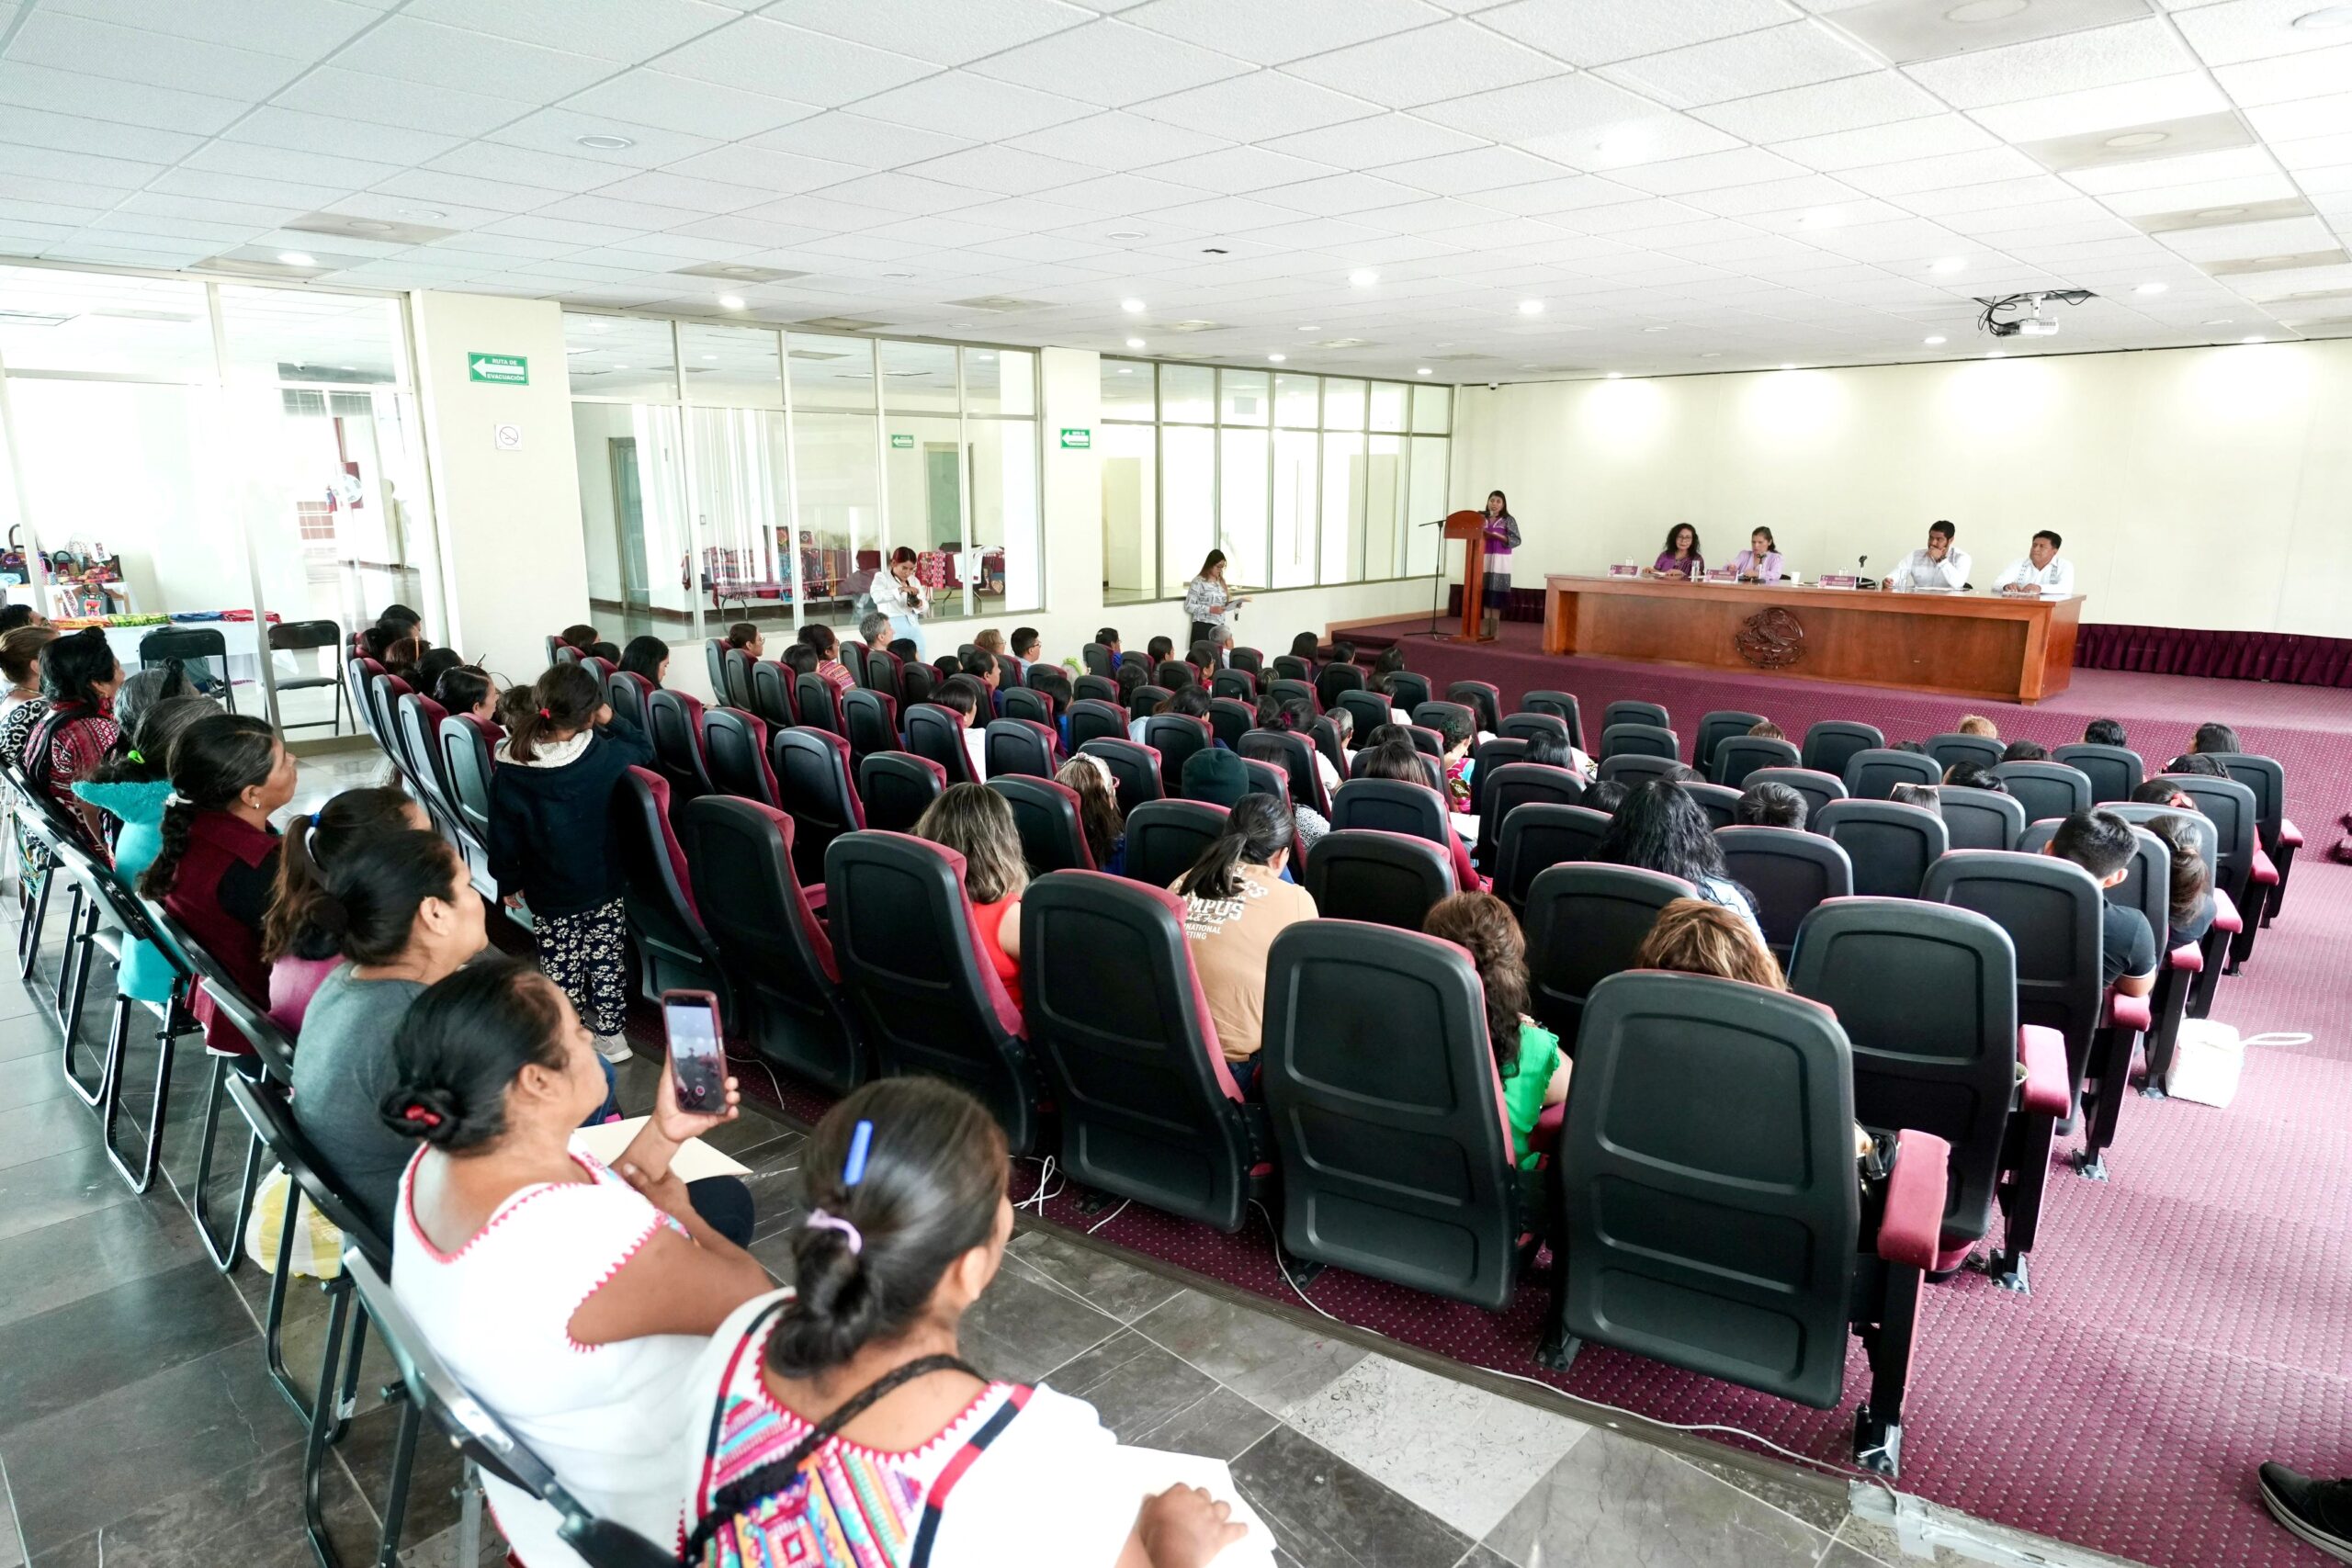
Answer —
1078 440
508 369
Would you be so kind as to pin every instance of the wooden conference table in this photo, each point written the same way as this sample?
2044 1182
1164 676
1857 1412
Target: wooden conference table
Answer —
1973 645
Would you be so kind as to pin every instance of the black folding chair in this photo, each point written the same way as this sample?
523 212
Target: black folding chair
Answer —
196 648
296 636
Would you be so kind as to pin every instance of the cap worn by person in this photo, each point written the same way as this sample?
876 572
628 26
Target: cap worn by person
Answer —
1217 777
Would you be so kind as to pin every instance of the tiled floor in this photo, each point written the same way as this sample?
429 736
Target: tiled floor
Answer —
138 1425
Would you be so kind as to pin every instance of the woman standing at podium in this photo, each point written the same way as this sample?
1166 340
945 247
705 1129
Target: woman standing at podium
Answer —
1494 590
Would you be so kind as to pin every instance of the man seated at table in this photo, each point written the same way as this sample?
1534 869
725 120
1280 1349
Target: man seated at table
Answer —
2039 573
1941 565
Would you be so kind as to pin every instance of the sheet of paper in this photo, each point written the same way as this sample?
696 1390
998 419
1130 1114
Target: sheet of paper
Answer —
695 1160
1153 1470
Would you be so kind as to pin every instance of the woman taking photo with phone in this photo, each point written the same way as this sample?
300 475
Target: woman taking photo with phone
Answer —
900 597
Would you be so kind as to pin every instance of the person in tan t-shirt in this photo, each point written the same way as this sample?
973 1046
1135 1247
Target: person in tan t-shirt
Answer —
1236 903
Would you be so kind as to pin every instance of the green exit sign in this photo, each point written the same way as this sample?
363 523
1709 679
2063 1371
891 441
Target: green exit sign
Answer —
1078 440
506 369
902 443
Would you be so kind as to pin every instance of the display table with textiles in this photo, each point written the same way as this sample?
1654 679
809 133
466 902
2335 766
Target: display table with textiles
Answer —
1970 645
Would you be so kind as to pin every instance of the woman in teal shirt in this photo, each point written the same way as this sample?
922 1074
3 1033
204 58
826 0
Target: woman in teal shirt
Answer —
131 788
1527 1056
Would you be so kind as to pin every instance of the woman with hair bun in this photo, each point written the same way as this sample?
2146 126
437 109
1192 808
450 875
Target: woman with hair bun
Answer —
841 1408
570 1298
133 788
295 940
79 676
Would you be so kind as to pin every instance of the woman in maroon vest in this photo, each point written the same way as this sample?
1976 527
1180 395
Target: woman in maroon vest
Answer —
219 863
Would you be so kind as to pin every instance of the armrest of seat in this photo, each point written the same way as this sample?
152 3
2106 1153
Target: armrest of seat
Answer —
1910 1229
2044 1051
2289 836
2128 1012
2265 869
2225 912
2189 956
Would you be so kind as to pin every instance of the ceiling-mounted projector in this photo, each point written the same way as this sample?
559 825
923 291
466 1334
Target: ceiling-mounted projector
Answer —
2000 316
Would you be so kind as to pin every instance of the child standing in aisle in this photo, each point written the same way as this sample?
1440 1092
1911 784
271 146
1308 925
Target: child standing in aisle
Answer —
551 841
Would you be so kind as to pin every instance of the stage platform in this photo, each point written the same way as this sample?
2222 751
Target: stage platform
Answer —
2307 728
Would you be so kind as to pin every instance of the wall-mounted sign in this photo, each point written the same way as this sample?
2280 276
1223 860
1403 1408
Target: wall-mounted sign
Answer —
507 437
1078 440
902 443
506 369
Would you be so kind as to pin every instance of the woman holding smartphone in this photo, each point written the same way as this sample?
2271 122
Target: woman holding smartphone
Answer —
901 597
1209 604
570 1298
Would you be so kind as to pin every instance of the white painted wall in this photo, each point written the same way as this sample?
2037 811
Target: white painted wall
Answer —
2205 487
513 556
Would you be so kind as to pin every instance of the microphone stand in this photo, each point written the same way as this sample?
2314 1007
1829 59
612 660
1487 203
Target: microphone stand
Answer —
1437 575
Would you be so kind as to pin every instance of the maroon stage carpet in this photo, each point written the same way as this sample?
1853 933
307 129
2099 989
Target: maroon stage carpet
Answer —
2189 1318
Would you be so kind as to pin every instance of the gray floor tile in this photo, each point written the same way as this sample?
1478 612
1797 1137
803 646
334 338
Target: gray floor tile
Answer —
44 1191
1265 1359
1841 1555
87 1349
1484 1557
12 1540
35 1131
1327 1514
1023 1329
774 1252
1818 1500
1222 1426
1462 1453
249 1514
1103 1281
1614 1500
1153 1400
1868 1542
79 1258
441 1551
34 1077
87 1466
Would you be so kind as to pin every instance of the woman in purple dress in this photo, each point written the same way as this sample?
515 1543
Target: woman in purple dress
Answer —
1502 538
1680 559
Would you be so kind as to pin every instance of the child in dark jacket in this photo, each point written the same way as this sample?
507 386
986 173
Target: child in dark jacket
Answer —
551 841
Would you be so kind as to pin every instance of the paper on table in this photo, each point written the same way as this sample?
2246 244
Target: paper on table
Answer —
695 1160
1153 1470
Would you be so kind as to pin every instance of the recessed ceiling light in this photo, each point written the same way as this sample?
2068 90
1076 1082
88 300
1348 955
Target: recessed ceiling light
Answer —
2150 289
369 226
1126 369
1985 10
1788 367
351 368
1134 342
1125 234
1996 354
1934 341
1363 277
2257 338
1276 358
711 357
2137 139
620 366
898 274
1422 371
1654 329
1616 375
2218 321
1713 354
1950 264
1530 306
1309 329
2215 214
1132 307
423 212
297 258
603 143
2326 17
730 302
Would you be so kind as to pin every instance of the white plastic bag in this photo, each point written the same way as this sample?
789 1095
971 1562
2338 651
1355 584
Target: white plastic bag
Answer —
2208 1057
318 1247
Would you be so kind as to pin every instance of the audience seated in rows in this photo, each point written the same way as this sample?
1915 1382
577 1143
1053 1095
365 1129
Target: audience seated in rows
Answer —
966 698
302 938
469 690
2025 751
744 635
1236 902
79 678
647 657
2191 902
1769 805
1099 819
2101 843
133 787
1969 775
1978 725
977 823
826 650
2104 732
1528 1059
1658 827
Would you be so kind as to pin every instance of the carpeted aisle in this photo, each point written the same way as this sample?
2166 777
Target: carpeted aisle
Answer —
2191 1316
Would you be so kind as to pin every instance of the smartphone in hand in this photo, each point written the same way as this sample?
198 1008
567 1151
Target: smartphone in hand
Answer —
697 1053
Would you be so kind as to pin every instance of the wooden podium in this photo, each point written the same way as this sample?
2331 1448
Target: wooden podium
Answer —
1470 527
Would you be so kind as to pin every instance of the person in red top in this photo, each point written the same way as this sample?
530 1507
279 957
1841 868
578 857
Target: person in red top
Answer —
974 820
79 676
218 867
819 640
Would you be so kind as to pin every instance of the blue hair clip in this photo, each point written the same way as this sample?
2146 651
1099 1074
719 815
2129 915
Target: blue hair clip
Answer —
853 1167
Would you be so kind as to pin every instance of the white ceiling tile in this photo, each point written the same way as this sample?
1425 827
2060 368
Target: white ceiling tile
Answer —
1594 32
664 187
1935 173
1451 60
678 104
2238 242
1374 143
1530 114
1618 218
1927 138
1796 192
639 215
1851 103
133 54
1713 170
1796 55
2043 218
956 103
206 209
762 56
1126 193
96 97
1001 170
1631 143
1110 63
90 169
1272 35
735 229
1014 214
900 192
2315 151
1812 220
1480 169
858 141
577 233
334 136
2203 195
764 168
1228 215
2157 173
1570 194
2304 116
2318 73
1117 140
283 163
1239 169
945 32
623 31
2100 58
525 165
244 188
174 228
1336 196
382 100
2252 29
2105 108
411 50
426 185
1936 203
1257 108
301 29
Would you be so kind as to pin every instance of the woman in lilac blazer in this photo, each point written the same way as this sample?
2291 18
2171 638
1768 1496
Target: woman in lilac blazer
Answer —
1760 563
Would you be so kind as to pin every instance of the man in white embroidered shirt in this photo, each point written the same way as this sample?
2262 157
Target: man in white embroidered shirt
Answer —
2039 574
1940 566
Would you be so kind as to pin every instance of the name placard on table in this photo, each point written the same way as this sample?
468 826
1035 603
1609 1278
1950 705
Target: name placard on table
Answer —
1723 574
1838 579
1624 572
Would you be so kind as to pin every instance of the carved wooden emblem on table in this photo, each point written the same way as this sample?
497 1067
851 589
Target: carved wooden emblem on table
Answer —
1771 640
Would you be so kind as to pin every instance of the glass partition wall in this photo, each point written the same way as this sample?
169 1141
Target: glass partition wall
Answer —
232 459
1300 480
746 473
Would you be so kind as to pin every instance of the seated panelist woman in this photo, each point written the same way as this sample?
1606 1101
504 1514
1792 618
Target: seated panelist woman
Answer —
1760 563
1680 559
